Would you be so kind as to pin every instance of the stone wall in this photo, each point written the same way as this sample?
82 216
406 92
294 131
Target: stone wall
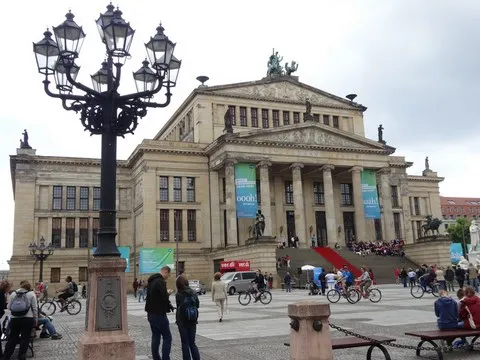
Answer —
430 251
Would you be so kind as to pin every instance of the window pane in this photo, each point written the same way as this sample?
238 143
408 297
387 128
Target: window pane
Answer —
178 225
95 226
96 198
335 121
54 275
286 118
192 225
231 110
243 116
190 189
164 225
318 194
296 117
177 189
163 188
57 198
276 118
326 120
288 192
254 113
57 232
265 118
84 198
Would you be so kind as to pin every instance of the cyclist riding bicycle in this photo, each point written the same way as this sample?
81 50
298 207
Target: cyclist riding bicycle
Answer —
66 292
365 281
427 280
259 282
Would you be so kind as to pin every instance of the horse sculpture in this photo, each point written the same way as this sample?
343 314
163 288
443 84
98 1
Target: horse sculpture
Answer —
432 225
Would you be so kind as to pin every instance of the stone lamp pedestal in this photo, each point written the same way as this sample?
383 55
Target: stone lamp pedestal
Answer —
106 336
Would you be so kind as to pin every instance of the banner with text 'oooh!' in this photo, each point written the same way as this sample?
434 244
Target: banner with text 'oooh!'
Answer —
371 207
153 259
246 190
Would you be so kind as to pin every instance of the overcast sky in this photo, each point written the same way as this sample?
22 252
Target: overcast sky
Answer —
414 64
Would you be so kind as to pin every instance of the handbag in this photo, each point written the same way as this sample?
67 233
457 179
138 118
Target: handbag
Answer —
470 319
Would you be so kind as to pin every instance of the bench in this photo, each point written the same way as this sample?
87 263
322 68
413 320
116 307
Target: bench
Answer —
354 342
430 337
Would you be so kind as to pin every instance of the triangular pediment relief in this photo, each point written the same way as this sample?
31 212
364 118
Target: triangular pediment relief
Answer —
311 135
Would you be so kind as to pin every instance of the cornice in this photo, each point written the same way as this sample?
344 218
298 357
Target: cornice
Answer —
424 178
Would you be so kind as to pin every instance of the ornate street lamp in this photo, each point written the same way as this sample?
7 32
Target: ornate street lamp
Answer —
105 112
41 252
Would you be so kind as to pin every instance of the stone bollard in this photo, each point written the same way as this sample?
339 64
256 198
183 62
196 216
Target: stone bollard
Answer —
310 331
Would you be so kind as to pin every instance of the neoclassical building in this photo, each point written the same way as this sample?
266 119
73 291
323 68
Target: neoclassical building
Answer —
179 186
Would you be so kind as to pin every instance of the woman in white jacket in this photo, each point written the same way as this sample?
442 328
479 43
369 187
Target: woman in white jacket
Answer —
219 295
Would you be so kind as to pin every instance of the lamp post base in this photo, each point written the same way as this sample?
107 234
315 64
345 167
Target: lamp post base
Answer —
106 336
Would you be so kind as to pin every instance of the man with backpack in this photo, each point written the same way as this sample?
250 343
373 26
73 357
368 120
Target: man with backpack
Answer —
24 311
69 290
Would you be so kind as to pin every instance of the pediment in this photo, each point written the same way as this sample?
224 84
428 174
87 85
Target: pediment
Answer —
311 135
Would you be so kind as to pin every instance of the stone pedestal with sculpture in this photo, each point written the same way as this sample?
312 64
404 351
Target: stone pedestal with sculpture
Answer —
474 253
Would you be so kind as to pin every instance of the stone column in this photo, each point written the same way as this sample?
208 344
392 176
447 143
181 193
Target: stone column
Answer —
266 205
310 332
216 240
358 203
388 226
150 195
230 203
298 203
329 205
279 191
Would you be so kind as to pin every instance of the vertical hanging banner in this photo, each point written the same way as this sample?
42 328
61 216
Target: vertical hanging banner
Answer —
371 207
124 254
246 190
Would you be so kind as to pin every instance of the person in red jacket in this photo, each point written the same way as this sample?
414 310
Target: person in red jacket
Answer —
470 310
396 273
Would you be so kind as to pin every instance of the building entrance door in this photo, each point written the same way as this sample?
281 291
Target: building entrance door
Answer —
349 226
321 222
216 265
290 225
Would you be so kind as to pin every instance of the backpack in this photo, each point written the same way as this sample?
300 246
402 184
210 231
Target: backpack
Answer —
20 304
190 309
75 287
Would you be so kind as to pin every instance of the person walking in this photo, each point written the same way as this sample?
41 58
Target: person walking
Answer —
219 295
24 311
396 273
288 282
404 277
440 276
141 290
186 318
460 276
5 287
157 306
449 277
135 287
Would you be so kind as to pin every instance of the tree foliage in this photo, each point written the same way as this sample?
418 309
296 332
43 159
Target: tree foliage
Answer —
459 231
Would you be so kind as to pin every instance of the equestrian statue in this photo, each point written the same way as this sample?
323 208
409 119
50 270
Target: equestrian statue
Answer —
432 225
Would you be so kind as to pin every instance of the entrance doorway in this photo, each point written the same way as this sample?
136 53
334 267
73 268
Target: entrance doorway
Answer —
290 225
349 226
321 223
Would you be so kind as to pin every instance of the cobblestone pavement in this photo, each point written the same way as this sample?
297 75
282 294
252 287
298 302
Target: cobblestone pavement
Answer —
259 332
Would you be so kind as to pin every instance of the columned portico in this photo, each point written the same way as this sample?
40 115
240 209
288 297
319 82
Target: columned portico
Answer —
298 202
389 230
230 203
358 203
329 204
266 203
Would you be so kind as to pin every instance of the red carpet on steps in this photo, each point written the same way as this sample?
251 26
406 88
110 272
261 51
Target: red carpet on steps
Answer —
337 260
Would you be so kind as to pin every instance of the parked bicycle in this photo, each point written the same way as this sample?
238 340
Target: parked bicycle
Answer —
422 287
72 306
372 293
264 296
350 294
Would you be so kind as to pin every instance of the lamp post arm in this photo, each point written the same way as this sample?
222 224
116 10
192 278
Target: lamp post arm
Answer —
79 85
143 94
118 74
46 84
159 105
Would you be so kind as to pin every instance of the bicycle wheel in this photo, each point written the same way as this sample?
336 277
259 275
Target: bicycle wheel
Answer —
417 291
435 290
375 295
265 297
244 298
333 296
353 296
49 308
74 307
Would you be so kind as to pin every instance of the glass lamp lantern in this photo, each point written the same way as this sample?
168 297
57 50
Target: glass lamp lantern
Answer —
100 78
46 53
172 73
160 50
61 79
104 20
118 37
69 37
145 78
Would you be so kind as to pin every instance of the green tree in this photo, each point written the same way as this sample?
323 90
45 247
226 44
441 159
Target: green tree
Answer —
459 232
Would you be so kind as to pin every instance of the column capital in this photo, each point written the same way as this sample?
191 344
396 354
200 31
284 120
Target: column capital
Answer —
356 169
384 171
327 167
230 162
296 166
264 164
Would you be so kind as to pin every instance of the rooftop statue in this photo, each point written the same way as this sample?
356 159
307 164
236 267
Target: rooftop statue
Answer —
228 122
24 143
291 69
274 67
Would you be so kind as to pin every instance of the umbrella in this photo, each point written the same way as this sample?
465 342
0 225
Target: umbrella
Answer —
308 268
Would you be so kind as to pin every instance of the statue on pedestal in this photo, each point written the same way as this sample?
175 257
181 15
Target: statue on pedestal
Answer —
228 122
380 135
24 143
290 69
259 227
427 164
463 263
308 111
273 65
474 235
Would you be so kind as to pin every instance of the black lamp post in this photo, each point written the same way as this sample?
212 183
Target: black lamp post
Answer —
103 111
41 252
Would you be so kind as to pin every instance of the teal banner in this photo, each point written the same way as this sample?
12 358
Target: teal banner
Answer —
124 254
371 207
153 259
246 190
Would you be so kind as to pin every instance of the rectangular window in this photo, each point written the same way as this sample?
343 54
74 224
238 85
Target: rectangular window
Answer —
288 192
378 229
83 198
326 119
318 193
164 224
259 192
419 229
95 226
190 189
224 190
254 113
192 225
83 274
70 233
286 118
231 110
316 117
83 233
276 118
163 188
57 198
54 275
243 116
96 198
57 232
71 197
296 118
394 190
265 119
335 122
346 194
416 205
177 189
396 225
178 224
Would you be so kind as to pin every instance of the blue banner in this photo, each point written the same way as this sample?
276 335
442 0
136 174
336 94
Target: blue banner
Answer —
456 252
371 207
153 259
246 190
124 254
